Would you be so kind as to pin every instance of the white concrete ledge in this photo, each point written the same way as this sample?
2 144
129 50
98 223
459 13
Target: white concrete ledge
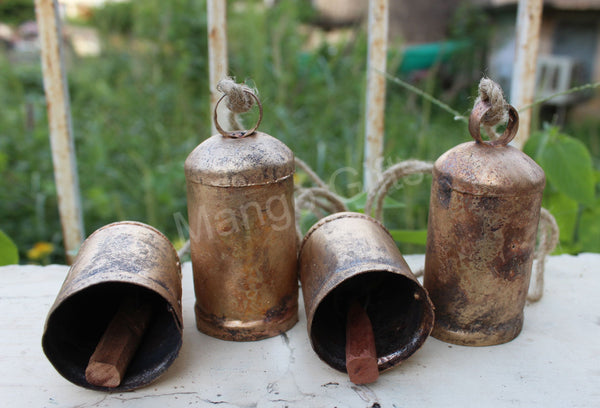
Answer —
555 362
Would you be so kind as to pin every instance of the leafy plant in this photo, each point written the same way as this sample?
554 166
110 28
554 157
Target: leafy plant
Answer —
9 253
571 192
141 107
16 11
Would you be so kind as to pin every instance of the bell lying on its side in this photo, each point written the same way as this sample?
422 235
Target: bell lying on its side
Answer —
121 264
348 259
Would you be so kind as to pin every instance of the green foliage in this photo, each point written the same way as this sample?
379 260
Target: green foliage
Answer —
16 11
114 18
8 250
571 193
568 165
137 111
357 203
418 237
470 22
141 107
312 98
27 194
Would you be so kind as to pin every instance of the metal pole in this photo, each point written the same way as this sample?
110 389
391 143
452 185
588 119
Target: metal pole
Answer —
522 90
217 49
59 121
375 95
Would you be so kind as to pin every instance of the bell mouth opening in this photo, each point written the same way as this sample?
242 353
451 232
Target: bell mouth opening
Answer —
400 311
75 327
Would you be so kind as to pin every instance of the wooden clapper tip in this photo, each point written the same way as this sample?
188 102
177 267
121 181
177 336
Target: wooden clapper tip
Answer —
361 356
119 343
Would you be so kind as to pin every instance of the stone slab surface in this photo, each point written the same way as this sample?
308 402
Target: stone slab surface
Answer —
555 362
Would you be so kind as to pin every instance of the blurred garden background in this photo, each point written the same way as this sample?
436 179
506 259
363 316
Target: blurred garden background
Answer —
138 83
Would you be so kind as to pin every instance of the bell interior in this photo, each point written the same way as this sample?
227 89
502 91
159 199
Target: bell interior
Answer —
398 308
77 324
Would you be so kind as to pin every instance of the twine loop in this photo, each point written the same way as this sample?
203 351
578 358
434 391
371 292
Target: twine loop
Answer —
387 181
491 94
239 99
548 234
489 110
319 200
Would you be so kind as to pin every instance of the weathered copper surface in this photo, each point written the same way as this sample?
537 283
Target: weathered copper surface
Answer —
351 256
118 261
242 234
483 219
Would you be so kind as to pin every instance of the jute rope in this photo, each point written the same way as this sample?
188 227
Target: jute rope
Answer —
548 232
389 178
238 99
301 164
547 240
320 200
309 198
491 92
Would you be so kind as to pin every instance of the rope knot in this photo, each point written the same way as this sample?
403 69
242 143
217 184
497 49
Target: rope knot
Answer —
491 92
238 98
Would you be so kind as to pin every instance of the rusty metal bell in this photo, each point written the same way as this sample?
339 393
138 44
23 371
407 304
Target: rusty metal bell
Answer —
350 256
118 261
242 233
483 219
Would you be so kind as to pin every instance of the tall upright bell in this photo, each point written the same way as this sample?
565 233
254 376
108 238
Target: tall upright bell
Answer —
242 232
483 219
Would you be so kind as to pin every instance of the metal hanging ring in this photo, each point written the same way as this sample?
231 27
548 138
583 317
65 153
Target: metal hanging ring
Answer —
479 112
238 133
